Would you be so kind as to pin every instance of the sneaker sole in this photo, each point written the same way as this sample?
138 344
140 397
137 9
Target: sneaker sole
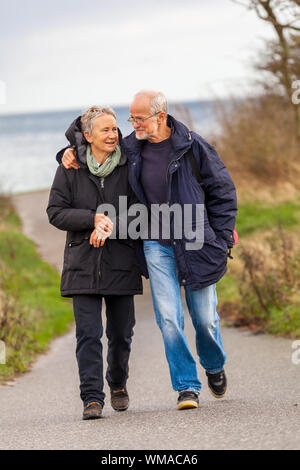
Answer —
120 409
91 417
215 395
185 405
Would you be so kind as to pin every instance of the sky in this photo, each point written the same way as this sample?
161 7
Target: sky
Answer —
63 54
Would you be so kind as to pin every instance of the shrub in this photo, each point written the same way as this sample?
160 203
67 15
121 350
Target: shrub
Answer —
270 283
257 143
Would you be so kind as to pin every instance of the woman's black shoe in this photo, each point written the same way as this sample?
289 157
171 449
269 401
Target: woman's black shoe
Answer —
92 410
119 399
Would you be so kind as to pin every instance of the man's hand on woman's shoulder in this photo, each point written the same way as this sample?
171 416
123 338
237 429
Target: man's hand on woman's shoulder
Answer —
69 159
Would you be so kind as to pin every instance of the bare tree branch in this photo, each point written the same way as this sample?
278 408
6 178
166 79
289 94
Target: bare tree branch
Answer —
272 11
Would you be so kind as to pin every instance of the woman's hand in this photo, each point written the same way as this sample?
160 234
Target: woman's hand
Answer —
69 159
103 218
103 229
94 240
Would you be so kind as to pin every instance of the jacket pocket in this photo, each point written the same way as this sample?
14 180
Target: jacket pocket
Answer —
122 256
80 255
213 238
217 242
209 234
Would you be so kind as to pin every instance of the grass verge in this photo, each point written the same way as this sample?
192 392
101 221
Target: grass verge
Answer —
255 216
32 312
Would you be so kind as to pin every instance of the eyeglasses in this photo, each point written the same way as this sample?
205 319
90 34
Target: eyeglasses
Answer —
141 120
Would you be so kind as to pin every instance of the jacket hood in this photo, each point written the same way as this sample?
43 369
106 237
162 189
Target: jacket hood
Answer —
77 140
181 138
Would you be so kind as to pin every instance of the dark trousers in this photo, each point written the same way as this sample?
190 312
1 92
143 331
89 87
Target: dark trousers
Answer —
120 320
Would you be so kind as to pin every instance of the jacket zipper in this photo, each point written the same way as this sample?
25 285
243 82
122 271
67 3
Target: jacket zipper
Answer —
176 160
100 248
100 254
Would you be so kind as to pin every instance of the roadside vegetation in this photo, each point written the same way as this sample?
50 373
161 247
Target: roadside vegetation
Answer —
32 312
259 141
261 290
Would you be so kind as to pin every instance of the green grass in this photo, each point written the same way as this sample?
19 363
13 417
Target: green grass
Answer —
35 311
227 287
284 322
253 217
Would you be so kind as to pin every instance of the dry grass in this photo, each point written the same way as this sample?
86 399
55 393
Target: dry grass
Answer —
257 144
268 277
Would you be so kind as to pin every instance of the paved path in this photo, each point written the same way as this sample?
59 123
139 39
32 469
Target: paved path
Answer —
42 410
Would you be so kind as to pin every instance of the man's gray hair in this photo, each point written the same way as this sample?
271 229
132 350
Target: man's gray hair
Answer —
89 115
159 103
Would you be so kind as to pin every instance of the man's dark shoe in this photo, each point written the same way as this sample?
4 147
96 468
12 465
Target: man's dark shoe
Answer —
187 399
92 410
217 383
119 399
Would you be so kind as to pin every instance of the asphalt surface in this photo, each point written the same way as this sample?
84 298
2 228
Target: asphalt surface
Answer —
42 409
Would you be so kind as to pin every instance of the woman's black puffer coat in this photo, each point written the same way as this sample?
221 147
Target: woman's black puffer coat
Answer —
74 197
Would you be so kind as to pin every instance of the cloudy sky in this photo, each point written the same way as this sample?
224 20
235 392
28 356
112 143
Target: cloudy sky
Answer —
64 54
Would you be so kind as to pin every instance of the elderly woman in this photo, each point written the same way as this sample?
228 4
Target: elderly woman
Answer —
96 266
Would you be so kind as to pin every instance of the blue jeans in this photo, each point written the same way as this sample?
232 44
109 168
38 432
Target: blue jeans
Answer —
168 308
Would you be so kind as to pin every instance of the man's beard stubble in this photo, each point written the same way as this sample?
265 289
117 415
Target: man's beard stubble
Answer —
147 136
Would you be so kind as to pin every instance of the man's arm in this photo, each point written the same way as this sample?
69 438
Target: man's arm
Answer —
67 157
220 193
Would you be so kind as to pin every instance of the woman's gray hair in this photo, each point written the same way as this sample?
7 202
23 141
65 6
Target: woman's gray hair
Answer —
159 103
89 115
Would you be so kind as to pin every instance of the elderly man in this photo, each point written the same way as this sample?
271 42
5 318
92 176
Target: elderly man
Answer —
166 161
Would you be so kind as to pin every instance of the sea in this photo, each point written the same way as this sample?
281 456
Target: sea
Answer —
30 142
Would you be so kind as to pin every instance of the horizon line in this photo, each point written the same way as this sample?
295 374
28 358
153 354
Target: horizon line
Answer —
78 108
